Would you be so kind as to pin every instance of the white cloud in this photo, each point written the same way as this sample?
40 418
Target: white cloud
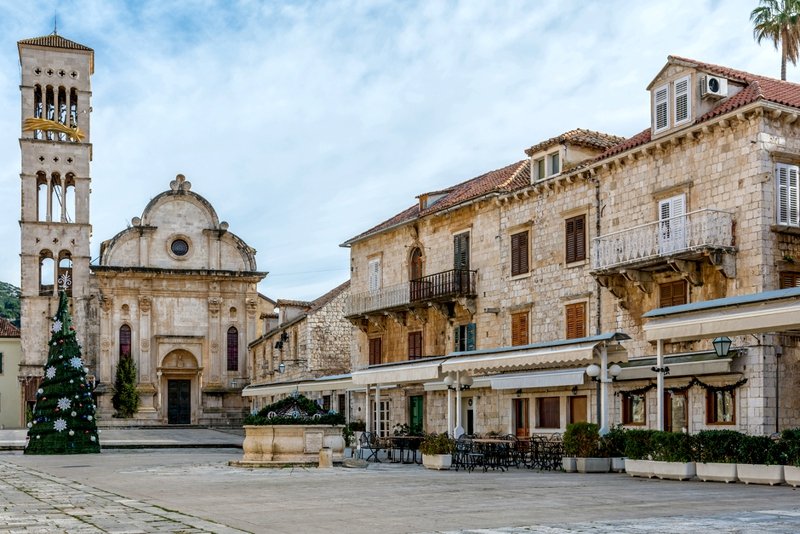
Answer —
305 124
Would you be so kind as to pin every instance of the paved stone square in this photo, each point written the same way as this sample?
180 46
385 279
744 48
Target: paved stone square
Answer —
193 490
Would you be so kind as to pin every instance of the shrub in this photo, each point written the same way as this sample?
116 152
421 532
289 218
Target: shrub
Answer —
717 446
437 444
358 426
760 450
294 410
637 444
791 443
582 440
126 396
672 447
613 444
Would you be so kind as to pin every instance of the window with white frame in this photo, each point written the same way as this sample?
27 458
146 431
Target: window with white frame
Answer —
682 100
661 108
788 202
554 163
374 275
539 170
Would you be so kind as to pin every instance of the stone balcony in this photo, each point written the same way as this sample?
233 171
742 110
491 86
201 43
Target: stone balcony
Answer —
686 237
437 288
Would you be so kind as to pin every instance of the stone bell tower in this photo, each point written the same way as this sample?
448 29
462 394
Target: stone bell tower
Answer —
56 152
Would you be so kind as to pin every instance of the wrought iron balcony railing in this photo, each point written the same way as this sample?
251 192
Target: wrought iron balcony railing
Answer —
698 230
438 286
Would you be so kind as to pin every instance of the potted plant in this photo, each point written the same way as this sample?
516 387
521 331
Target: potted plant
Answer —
613 446
791 444
437 451
716 455
582 440
638 461
673 455
760 460
349 438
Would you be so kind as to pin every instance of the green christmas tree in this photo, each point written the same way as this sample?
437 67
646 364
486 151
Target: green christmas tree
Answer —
126 396
64 415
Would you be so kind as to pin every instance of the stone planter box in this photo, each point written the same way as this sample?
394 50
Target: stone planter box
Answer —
760 474
593 465
716 472
792 475
569 464
674 470
437 461
289 444
617 465
639 468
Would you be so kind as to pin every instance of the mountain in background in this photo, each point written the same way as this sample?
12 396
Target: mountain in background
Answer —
9 302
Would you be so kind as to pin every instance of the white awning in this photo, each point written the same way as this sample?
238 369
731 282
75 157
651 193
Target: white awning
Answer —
775 311
477 383
339 384
575 354
691 368
541 379
416 371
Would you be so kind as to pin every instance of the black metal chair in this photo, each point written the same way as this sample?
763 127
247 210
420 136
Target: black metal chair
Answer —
369 442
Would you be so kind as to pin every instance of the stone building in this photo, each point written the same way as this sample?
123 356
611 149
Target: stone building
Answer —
12 410
308 351
487 306
175 291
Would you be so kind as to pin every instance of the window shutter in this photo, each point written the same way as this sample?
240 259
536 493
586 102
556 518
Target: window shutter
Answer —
788 193
519 253
575 230
576 320
682 100
414 345
471 333
461 251
375 351
374 275
457 338
789 279
519 329
661 108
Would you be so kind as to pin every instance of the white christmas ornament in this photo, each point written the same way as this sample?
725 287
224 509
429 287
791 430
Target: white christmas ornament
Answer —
64 403
50 373
93 438
60 425
56 326
76 362
71 432
73 414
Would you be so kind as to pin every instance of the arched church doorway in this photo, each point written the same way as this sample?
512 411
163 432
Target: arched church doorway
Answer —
179 377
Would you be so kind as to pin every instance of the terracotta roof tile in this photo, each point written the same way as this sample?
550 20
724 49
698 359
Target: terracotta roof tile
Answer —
329 296
507 178
7 329
294 303
580 137
55 41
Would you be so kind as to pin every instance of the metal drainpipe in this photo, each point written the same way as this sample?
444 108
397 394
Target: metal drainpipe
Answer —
778 353
598 289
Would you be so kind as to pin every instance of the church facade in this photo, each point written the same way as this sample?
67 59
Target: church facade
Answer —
176 291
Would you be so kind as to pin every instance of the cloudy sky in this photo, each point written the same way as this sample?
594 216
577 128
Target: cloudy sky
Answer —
305 123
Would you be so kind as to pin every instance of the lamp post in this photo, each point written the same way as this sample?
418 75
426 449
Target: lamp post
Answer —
459 383
603 375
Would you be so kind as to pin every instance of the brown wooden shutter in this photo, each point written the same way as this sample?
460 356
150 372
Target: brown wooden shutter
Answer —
672 293
519 253
575 230
375 351
519 329
790 280
576 320
549 409
414 345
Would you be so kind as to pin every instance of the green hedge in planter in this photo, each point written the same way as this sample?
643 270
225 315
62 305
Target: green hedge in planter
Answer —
638 444
437 444
791 443
717 446
582 440
760 450
294 410
672 447
612 445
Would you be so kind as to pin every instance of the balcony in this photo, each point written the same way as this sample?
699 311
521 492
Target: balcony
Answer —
439 287
685 237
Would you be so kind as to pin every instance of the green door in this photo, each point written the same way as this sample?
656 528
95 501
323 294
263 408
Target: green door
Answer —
416 416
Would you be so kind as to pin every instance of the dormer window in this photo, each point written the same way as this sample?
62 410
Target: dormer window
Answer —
428 200
553 162
539 169
672 104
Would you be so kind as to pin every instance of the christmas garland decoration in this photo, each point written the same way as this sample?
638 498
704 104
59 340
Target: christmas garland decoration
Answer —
638 391
682 389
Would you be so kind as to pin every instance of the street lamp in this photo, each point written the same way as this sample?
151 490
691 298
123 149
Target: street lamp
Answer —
457 382
722 345
281 367
595 372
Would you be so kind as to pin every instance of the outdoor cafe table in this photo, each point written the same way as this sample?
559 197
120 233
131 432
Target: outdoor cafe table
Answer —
402 444
496 451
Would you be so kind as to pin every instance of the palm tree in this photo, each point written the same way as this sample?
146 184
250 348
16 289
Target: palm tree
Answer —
779 21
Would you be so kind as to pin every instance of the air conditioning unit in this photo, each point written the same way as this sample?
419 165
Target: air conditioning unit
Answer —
713 87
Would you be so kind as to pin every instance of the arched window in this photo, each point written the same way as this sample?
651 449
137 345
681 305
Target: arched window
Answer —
42 194
124 341
56 200
50 108
233 349
46 272
69 198
38 108
62 111
73 108
65 271
415 264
